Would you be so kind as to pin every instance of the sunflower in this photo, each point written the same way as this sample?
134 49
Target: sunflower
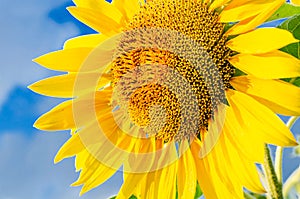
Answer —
175 92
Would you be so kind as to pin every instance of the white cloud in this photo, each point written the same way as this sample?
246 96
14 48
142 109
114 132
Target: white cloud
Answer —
27 32
27 170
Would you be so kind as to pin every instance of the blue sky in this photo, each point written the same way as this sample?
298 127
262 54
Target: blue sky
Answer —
29 29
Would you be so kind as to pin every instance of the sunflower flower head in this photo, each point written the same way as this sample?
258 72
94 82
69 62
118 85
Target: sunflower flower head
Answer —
155 92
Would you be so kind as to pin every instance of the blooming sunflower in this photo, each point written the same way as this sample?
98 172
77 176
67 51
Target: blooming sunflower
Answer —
156 92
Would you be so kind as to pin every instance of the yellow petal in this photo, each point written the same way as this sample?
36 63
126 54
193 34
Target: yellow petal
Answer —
157 178
102 6
279 96
244 11
62 117
296 2
187 176
222 174
247 140
252 22
203 177
214 174
139 190
100 140
150 185
238 3
64 60
263 120
167 181
80 160
57 86
261 40
241 167
272 65
137 159
96 20
81 144
131 181
58 118
64 86
72 147
94 176
128 7
218 3
85 41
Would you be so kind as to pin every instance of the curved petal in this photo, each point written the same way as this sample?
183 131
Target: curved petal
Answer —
64 60
261 40
272 65
186 175
102 6
80 160
218 3
85 41
252 114
94 176
96 20
58 118
244 11
128 7
247 140
150 187
167 181
203 177
252 22
57 86
62 117
85 159
130 182
214 175
63 85
279 96
70 148
241 166
296 2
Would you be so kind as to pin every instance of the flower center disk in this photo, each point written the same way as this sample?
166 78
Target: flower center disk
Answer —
195 21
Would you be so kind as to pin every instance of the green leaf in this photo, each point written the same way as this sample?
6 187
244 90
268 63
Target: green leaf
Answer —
296 81
198 192
292 25
285 11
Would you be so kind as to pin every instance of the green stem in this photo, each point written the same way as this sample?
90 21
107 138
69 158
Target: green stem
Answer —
279 152
275 187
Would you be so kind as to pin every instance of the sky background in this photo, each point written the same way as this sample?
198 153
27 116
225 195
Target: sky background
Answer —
29 29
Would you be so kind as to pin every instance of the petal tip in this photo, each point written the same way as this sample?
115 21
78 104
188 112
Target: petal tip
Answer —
31 87
38 124
76 184
36 60
58 158
83 190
